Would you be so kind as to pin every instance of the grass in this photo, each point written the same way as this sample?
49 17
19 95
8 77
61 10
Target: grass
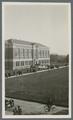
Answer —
40 86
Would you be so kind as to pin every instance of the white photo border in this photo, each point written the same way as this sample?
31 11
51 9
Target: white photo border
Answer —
3 63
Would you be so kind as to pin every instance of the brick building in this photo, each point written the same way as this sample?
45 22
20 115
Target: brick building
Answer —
22 54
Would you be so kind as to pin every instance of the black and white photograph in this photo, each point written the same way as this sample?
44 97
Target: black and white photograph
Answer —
36 60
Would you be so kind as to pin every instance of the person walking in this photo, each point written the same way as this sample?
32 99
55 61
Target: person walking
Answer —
15 111
19 110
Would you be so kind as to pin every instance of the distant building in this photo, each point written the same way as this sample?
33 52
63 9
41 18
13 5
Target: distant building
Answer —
22 54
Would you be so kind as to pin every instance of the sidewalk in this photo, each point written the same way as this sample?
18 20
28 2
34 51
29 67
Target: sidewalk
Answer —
33 108
30 73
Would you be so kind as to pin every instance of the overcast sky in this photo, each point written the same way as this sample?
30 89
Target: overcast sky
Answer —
46 24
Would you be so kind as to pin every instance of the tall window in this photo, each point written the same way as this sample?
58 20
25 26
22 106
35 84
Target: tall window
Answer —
30 53
16 51
40 53
24 53
43 53
17 63
30 62
27 53
21 52
22 63
48 53
26 62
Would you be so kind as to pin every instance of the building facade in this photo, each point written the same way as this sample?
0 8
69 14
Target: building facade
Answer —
22 54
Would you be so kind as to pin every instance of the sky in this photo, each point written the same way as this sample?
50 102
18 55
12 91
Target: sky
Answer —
45 24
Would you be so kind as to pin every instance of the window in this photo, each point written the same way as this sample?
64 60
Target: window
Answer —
17 63
21 50
43 53
30 53
48 53
40 53
16 51
22 63
30 62
24 53
26 62
40 62
27 53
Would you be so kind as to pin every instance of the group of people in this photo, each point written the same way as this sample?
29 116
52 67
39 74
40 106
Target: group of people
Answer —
17 111
9 103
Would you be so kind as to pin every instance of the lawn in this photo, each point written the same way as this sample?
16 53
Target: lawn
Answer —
40 86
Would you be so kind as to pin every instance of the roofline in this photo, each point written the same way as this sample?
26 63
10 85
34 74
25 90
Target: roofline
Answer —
28 42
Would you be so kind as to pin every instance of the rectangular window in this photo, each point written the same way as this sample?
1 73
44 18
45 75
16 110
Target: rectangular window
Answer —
24 53
21 52
48 53
17 52
27 53
30 62
43 53
17 63
40 54
26 62
22 63
40 61
30 53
